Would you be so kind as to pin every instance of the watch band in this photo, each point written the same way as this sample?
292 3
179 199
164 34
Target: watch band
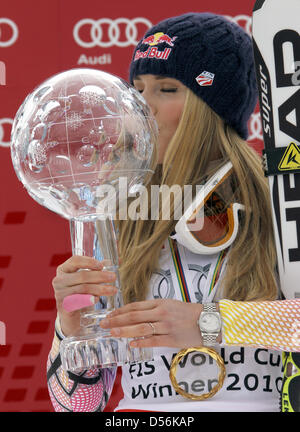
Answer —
209 339
209 307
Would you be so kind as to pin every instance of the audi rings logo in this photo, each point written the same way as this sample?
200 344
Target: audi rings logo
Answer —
255 127
3 122
245 21
112 28
13 34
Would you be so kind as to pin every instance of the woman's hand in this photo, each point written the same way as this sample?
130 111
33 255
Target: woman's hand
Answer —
175 323
79 282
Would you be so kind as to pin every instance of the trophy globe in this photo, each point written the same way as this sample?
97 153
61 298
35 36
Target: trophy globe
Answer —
77 140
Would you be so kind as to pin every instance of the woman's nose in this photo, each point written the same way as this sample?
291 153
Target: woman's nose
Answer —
150 101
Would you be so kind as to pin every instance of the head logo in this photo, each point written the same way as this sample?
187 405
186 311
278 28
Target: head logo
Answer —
205 79
159 38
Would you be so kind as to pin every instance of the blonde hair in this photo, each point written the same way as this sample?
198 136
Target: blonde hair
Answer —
200 138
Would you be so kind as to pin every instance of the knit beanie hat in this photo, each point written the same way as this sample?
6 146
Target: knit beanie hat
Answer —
210 55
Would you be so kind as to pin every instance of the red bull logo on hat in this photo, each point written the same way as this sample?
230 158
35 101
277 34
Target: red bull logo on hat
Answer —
159 38
152 51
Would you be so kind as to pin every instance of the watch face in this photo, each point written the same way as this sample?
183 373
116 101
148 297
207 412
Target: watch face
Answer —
209 322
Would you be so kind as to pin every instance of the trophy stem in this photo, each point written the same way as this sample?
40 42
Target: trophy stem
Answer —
93 346
97 238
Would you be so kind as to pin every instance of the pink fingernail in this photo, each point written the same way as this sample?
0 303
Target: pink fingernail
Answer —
77 301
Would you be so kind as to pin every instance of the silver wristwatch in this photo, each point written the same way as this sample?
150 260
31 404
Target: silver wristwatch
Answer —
210 324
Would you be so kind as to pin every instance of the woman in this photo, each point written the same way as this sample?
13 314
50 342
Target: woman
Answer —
196 72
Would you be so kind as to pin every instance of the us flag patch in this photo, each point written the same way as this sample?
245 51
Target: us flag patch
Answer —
205 78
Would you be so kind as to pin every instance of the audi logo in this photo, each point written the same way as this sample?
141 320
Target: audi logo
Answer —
113 31
2 123
255 127
244 21
14 29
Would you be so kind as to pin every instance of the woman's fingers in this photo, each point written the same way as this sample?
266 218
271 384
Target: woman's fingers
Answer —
122 317
63 280
96 290
79 282
140 319
162 322
153 341
128 321
82 296
145 329
135 310
76 262
137 306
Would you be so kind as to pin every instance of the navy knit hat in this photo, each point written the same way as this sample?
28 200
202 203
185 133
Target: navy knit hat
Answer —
210 55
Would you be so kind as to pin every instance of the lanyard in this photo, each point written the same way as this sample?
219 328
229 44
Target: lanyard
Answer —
183 274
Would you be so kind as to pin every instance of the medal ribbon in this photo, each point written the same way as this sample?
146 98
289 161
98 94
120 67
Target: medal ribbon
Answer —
181 278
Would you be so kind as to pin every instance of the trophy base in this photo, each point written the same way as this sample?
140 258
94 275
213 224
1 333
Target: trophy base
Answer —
82 352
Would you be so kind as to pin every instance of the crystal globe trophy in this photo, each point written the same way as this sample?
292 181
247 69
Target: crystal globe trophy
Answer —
73 138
